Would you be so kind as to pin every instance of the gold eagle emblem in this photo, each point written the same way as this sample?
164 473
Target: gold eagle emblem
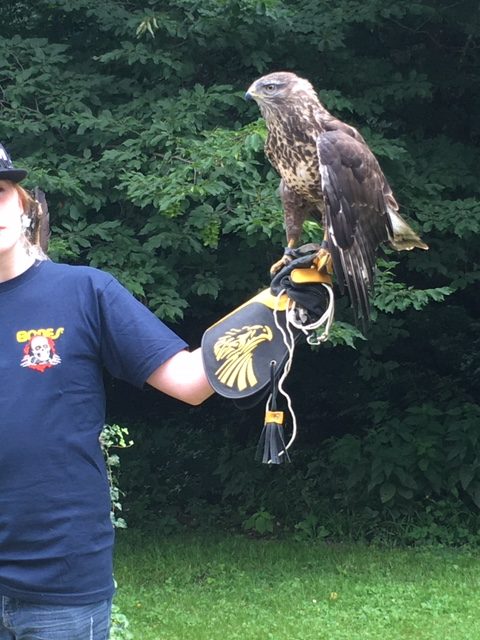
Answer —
236 348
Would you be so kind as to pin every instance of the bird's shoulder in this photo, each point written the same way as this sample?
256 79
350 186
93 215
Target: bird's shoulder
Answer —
336 129
341 143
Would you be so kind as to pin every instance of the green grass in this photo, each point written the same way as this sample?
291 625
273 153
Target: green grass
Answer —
224 587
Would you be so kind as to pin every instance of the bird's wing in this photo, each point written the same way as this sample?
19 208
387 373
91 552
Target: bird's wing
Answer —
356 220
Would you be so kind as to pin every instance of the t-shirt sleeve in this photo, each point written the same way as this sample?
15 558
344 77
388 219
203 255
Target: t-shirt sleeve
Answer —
134 342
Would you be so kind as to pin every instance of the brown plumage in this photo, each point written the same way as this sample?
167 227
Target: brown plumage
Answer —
39 231
43 225
328 173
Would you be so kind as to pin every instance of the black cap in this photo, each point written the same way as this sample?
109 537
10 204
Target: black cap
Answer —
7 170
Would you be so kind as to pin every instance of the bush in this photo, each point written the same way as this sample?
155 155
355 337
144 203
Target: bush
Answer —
413 477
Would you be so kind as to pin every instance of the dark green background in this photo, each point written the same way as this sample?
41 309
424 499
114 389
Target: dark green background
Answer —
130 116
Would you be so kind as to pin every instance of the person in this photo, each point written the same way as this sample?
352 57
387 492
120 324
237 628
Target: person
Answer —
60 325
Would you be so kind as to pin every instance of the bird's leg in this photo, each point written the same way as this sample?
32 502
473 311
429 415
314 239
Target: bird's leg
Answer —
323 260
284 260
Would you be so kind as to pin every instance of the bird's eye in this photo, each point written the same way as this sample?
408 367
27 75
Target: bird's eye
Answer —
270 87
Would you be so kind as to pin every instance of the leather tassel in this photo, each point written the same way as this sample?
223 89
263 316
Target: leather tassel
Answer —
271 446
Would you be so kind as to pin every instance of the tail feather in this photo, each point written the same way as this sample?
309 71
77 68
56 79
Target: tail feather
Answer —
404 237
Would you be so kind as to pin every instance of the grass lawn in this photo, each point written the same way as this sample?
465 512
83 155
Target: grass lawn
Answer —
224 587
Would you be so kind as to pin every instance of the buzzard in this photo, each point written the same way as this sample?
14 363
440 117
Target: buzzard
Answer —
328 173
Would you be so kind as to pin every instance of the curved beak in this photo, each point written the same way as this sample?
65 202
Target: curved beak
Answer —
250 94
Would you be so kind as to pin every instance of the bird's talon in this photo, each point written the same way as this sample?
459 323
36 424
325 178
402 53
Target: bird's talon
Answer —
280 264
323 262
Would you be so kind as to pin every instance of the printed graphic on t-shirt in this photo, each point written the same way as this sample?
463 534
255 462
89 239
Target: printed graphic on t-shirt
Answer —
40 349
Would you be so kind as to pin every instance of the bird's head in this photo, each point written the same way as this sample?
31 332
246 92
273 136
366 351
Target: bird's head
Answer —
276 90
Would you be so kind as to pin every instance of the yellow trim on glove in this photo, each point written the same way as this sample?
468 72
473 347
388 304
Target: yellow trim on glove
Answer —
305 276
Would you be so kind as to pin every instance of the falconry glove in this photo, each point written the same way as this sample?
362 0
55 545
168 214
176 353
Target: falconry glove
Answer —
309 290
248 353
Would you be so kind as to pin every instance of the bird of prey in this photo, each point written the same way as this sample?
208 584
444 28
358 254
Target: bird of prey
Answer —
328 173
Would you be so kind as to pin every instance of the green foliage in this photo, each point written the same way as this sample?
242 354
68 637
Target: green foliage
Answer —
395 296
112 437
412 476
311 529
423 452
120 625
130 117
343 333
260 522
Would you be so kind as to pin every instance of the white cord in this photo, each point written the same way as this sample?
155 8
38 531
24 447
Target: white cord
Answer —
292 318
289 340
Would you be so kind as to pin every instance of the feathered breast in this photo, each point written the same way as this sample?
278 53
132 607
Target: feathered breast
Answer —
291 149
295 158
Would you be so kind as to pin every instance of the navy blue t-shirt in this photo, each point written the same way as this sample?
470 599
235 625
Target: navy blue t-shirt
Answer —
59 326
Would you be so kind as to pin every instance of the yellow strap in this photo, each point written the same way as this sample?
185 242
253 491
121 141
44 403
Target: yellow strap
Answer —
266 298
304 276
271 301
274 416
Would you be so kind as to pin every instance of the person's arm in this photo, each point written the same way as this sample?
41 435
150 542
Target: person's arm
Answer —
183 377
